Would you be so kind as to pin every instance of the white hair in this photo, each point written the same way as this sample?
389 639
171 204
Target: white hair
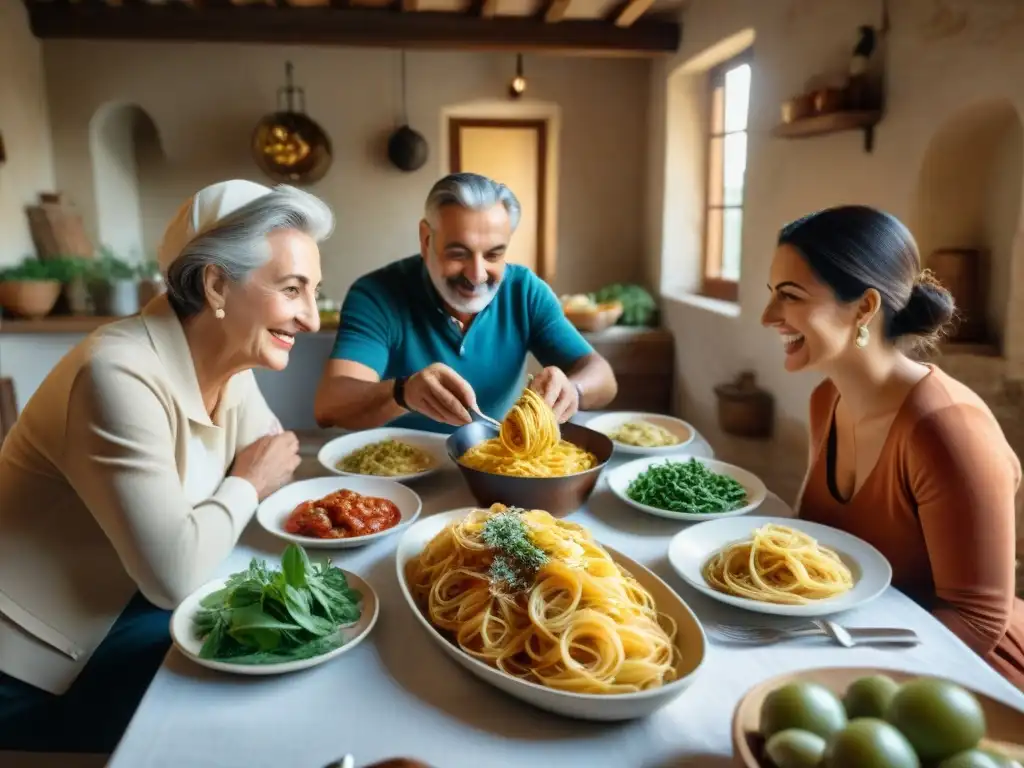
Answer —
472 191
237 244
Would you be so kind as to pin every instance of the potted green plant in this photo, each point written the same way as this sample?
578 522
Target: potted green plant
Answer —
31 288
114 285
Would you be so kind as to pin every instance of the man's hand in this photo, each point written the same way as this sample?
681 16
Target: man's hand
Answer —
440 393
558 392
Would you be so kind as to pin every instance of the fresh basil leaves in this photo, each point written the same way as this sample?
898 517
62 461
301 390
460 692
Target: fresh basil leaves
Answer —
265 616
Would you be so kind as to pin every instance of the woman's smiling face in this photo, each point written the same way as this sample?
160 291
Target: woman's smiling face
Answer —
814 326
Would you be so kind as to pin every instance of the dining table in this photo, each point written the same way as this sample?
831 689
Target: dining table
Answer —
397 693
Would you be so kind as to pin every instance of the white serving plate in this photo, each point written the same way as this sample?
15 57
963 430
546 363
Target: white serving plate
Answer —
185 640
274 510
607 423
340 447
690 549
620 478
690 639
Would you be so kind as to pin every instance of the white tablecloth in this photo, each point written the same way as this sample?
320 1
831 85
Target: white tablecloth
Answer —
398 694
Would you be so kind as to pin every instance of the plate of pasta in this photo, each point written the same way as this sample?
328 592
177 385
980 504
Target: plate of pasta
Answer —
644 434
687 488
534 606
338 512
779 565
395 453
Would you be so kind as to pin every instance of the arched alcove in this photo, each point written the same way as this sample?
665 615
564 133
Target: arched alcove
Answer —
969 197
126 152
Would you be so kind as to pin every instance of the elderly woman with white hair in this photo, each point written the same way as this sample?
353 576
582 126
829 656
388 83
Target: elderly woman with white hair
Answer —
136 465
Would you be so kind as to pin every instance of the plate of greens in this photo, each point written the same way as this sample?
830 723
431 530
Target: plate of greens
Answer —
686 487
269 621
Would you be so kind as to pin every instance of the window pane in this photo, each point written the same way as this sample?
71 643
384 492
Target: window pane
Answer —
713 242
737 97
732 231
735 166
716 171
718 110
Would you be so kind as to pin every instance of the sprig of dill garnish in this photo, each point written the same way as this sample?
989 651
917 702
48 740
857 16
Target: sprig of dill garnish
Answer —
517 558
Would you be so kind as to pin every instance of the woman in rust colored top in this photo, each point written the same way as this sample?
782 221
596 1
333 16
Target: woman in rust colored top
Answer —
901 455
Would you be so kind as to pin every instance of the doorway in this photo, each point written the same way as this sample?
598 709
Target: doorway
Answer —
513 152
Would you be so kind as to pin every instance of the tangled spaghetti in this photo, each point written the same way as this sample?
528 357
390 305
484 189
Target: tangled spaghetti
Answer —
778 565
575 621
529 445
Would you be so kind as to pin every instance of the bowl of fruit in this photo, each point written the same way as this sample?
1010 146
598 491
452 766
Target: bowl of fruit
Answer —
882 718
589 315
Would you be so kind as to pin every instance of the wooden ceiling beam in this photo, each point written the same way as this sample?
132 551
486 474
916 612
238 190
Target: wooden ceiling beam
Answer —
556 11
489 9
410 6
288 24
631 11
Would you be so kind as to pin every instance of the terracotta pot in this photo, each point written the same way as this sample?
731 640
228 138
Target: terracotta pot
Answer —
29 298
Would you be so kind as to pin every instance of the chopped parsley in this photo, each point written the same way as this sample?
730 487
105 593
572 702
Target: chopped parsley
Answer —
517 558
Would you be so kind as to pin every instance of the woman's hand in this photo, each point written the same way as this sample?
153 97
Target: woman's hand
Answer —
268 463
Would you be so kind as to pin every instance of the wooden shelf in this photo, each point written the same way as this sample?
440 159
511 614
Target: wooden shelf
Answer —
834 122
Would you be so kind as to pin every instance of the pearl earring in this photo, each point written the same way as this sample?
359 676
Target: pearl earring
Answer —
863 335
219 313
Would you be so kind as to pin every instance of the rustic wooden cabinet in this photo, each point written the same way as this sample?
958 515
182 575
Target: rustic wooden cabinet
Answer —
644 363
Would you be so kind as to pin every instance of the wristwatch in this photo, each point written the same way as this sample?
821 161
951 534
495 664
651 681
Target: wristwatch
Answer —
399 391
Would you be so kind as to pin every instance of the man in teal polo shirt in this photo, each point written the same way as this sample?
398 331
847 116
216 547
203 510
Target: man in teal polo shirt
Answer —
425 341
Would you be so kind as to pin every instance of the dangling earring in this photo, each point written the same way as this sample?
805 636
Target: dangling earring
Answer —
863 335
219 313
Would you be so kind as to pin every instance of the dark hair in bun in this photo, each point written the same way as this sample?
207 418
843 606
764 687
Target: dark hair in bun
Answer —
853 248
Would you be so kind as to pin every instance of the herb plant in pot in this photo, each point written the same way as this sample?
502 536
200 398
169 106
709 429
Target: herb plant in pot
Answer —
31 288
114 286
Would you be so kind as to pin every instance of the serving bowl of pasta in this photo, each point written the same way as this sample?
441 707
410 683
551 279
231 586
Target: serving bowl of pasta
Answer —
532 461
778 565
393 452
499 590
644 434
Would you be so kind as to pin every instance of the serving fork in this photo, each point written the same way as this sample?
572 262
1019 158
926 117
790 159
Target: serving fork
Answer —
848 637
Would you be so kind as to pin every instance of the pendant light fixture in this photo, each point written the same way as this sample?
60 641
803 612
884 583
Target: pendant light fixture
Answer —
517 87
407 149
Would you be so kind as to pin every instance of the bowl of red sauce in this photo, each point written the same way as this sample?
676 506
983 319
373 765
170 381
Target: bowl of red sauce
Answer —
339 512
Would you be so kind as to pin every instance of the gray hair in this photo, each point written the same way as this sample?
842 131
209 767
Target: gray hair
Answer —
473 191
237 245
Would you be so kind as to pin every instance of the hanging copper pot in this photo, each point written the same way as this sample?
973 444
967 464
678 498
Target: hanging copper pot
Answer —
288 145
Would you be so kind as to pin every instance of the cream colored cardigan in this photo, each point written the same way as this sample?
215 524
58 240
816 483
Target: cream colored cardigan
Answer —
97 499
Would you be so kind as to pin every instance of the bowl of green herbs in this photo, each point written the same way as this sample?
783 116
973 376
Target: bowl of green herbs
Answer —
685 487
266 621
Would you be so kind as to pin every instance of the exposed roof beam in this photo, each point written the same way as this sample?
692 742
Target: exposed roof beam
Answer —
410 6
556 10
489 9
632 11
287 24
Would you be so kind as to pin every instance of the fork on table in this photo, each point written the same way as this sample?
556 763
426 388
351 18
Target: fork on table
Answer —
848 637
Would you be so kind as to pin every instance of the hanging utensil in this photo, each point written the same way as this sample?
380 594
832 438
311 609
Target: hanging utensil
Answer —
288 145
